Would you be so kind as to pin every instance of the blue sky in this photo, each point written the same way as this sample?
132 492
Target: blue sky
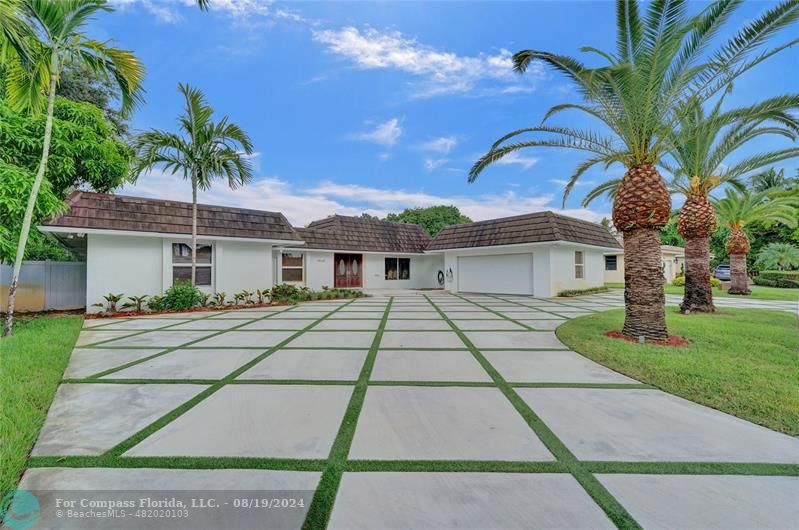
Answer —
375 107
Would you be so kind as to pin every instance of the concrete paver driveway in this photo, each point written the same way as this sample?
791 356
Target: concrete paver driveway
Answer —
425 410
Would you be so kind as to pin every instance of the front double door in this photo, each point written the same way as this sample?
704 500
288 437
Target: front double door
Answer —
348 270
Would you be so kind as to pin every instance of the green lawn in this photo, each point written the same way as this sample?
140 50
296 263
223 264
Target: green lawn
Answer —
741 361
758 292
32 361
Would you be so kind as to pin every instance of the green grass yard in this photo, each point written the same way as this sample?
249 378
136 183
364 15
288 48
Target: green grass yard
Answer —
741 361
758 292
32 362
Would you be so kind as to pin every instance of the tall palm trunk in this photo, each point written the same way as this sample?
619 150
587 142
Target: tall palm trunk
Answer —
698 296
740 281
738 247
193 229
697 221
642 205
37 183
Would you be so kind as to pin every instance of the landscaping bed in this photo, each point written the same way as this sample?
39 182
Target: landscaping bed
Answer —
33 360
740 361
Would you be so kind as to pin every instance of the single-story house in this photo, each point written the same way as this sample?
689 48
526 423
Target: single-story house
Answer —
672 260
141 246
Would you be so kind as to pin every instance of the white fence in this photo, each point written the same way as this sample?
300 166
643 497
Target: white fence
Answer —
46 286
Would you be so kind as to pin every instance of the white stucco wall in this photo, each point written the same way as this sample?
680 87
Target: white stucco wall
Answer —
242 265
553 266
319 267
122 264
563 270
672 264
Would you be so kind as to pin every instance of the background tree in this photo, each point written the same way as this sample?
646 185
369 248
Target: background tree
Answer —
779 256
55 36
80 83
431 218
738 209
660 62
700 149
202 152
772 179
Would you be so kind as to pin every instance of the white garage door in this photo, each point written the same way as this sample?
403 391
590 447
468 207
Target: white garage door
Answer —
500 274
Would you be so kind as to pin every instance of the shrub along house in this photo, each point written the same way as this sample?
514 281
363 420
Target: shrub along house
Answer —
141 246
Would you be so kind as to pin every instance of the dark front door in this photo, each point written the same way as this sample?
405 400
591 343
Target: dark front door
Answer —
348 270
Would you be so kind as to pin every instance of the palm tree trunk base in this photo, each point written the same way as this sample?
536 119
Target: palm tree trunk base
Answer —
644 298
698 296
738 276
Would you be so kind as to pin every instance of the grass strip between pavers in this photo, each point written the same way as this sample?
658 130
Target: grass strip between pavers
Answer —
179 462
167 418
693 468
325 496
181 346
612 507
134 332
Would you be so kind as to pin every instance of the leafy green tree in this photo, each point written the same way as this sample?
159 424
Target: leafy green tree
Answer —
54 34
84 149
431 218
15 189
781 256
80 83
663 57
202 152
669 235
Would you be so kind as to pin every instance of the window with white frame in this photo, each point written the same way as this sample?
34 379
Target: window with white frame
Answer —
181 263
292 267
398 268
579 265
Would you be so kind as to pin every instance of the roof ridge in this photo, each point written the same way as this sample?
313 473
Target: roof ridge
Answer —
77 194
554 225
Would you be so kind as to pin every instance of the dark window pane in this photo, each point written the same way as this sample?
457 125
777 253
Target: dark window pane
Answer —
181 253
404 268
391 268
202 275
292 259
292 275
611 262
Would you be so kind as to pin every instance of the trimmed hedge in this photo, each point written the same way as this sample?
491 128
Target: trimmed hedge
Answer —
679 281
781 279
578 292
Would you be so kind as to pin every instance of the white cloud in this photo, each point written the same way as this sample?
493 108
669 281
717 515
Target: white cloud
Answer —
443 144
303 205
169 11
434 163
515 158
579 183
386 133
441 72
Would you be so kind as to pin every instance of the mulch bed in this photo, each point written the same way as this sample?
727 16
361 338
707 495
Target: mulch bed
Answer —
673 340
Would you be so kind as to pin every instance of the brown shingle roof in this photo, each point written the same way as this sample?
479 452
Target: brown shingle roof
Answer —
339 232
118 212
529 228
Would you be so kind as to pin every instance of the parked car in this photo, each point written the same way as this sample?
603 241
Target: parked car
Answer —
722 272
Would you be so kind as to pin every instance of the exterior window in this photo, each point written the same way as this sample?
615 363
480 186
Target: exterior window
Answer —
181 263
292 266
398 268
611 263
579 265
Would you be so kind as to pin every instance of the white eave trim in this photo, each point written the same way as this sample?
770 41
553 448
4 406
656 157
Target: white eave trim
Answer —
78 230
556 243
383 253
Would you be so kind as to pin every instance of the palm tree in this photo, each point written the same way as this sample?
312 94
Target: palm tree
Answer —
54 35
738 209
772 179
780 256
661 60
202 152
699 150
